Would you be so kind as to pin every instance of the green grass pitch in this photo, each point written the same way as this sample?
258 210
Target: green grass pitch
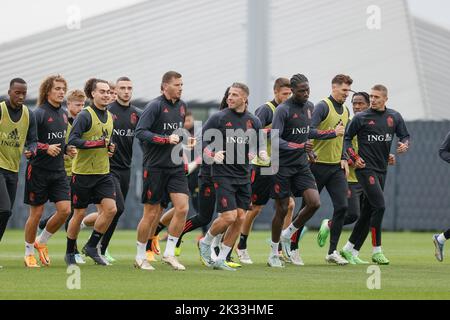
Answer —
413 274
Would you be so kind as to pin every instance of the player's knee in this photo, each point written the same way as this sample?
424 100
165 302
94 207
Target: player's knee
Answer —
229 217
314 204
182 209
110 211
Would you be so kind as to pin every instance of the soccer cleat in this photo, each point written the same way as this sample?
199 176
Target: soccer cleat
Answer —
70 259
285 247
108 257
357 260
177 251
143 264
150 256
93 253
174 263
232 264
347 255
31 262
243 256
336 258
205 253
296 259
222 265
155 245
439 248
275 262
43 253
79 259
323 234
380 259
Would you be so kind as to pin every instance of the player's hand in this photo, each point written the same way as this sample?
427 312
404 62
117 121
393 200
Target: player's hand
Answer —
28 154
392 160
219 156
360 163
309 146
402 147
340 129
344 166
264 156
312 157
174 139
71 151
192 142
111 149
54 150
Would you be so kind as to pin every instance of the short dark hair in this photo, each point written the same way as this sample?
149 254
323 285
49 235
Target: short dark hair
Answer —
91 85
341 79
123 79
16 80
281 83
241 86
297 79
363 94
169 75
380 87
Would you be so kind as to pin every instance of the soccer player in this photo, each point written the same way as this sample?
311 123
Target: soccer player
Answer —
292 119
206 196
125 117
75 103
261 184
91 181
330 168
160 131
439 239
234 131
17 131
46 178
375 129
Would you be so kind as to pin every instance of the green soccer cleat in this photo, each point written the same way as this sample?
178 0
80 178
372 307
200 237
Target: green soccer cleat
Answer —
347 255
108 257
323 234
357 260
380 259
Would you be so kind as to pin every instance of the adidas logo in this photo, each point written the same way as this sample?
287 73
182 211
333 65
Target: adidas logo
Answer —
14 135
229 124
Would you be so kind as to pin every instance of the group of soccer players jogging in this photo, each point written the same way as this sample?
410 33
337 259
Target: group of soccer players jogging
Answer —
236 163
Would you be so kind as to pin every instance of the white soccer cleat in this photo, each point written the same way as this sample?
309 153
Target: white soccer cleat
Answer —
275 262
336 258
243 256
173 262
143 264
296 259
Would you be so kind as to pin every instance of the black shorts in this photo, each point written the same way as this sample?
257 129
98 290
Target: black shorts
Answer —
87 189
292 181
44 185
261 187
232 195
160 181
